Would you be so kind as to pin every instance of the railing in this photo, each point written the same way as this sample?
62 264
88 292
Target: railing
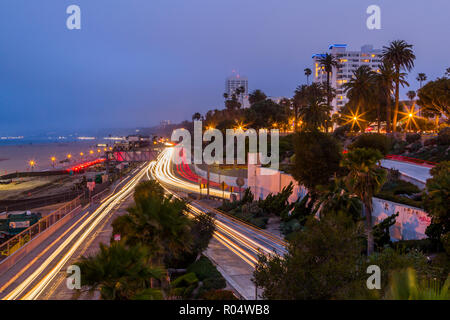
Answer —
15 243
420 162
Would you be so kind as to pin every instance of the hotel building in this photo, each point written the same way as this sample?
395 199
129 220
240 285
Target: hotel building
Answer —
349 61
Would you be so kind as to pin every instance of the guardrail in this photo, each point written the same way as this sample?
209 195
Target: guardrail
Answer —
419 162
15 243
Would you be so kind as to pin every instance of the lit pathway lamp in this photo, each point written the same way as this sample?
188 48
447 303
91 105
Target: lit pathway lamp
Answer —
69 156
53 159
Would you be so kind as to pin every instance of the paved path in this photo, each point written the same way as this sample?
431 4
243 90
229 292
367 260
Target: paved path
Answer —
417 172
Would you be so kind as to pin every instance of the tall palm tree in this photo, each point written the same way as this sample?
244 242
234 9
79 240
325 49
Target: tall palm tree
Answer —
308 72
365 179
298 101
360 91
401 56
421 77
328 62
121 273
385 80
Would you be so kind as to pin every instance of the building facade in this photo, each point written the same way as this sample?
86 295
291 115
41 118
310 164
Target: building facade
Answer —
349 61
235 82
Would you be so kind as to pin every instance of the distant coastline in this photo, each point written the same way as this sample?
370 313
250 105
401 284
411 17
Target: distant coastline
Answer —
15 155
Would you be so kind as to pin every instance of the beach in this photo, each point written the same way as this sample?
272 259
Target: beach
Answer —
17 157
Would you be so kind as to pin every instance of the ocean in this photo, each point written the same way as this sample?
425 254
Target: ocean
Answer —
16 154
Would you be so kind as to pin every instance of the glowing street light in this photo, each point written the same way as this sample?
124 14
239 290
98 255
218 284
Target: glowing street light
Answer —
53 159
409 116
32 163
354 118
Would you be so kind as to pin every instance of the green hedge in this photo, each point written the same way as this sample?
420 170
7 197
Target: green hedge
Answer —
204 269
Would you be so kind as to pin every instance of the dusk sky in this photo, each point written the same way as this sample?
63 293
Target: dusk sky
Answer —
137 62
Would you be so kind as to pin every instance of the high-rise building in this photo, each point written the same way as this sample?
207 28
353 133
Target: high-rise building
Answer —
349 61
235 82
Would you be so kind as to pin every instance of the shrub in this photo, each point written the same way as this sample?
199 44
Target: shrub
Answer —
317 158
376 141
340 132
259 222
412 137
415 146
203 269
424 245
214 283
443 137
430 142
400 187
184 285
219 295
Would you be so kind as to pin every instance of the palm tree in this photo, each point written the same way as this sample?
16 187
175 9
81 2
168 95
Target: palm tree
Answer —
447 72
196 116
385 80
360 91
365 179
256 96
421 77
121 273
308 72
400 55
328 62
411 95
156 222
334 198
299 101
314 112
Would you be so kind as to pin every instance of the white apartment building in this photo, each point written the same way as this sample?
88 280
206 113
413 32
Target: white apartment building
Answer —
234 82
349 62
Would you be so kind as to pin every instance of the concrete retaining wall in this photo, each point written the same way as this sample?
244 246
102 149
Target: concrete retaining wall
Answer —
410 224
215 177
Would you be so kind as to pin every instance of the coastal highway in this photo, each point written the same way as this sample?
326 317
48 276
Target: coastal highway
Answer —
243 239
29 278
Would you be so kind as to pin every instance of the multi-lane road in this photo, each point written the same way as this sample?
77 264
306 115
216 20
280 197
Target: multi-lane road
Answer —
31 276
243 239
34 276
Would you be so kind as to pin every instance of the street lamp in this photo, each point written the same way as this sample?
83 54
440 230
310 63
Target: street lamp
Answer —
53 159
69 156
354 118
32 164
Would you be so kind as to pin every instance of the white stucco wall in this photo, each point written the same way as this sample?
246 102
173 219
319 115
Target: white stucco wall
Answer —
410 224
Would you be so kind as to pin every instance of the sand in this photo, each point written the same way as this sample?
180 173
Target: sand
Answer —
17 157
